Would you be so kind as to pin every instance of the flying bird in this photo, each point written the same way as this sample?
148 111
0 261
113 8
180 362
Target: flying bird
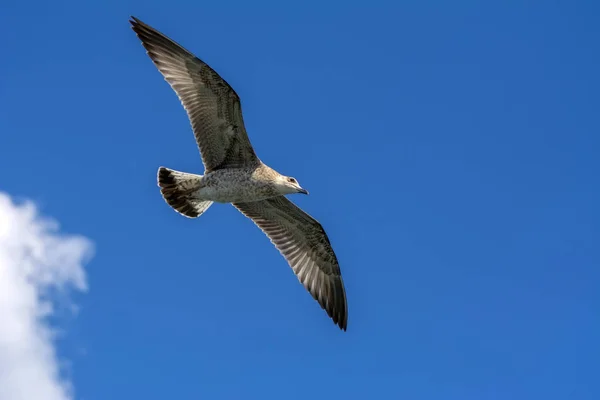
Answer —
234 173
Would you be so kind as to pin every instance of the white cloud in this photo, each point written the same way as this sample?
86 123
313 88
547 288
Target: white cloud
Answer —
38 266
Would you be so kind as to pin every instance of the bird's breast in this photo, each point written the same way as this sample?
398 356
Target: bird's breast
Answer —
231 186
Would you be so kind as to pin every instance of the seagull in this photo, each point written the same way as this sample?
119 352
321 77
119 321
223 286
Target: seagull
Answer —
234 173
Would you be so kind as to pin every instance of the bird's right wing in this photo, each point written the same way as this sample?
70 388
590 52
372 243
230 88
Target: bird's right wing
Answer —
305 245
213 107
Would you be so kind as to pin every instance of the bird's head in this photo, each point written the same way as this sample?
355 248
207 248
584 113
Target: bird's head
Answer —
289 185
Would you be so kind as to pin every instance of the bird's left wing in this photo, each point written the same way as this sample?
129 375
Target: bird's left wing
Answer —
306 247
213 107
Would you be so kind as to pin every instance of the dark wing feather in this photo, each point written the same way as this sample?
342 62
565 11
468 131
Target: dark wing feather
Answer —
213 107
306 247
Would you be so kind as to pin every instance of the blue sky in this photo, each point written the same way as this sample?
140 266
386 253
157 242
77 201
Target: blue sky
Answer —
451 153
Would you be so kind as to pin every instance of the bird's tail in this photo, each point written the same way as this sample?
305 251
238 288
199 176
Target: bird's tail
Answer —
178 190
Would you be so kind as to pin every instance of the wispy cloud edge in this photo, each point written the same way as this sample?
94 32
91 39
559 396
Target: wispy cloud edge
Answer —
37 262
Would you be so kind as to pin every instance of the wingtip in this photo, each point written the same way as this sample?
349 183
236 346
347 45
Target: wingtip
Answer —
343 323
340 318
135 21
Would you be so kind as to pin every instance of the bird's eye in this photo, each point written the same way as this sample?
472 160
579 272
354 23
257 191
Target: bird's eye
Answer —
292 180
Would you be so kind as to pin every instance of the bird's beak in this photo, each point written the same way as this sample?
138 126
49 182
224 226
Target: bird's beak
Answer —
303 191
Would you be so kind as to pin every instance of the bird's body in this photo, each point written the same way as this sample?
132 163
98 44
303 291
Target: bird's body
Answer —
234 174
233 185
